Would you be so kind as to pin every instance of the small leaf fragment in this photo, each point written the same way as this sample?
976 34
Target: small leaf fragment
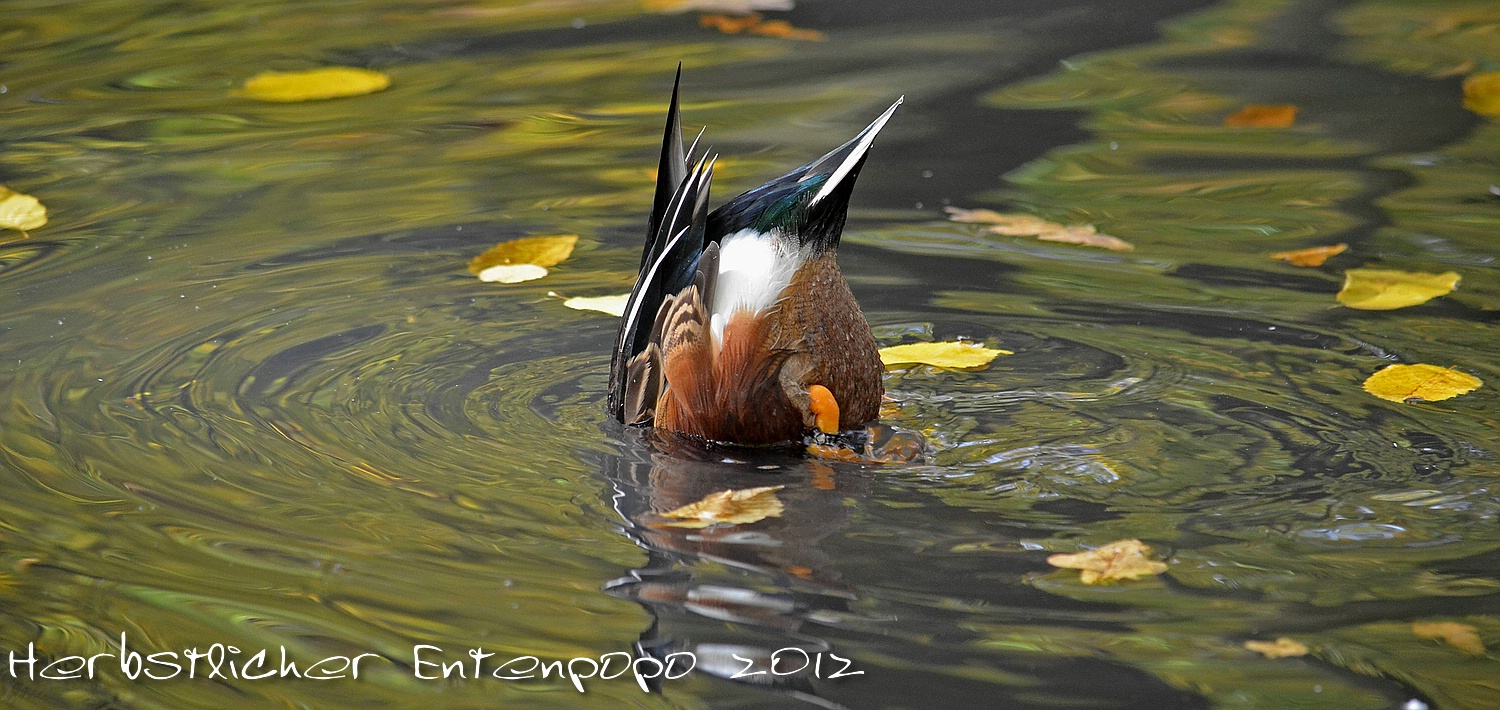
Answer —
1121 559
1420 383
729 507
1460 636
537 251
1280 648
19 211
1025 225
753 24
958 355
1314 256
1384 290
1482 93
512 273
314 84
1262 116
613 305
733 7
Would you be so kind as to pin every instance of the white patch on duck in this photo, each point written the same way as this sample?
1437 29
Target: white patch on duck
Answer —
754 269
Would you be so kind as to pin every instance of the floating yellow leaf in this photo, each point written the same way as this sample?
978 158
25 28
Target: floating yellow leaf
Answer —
1482 93
1314 256
960 355
1420 383
1262 116
20 212
1384 290
1025 225
1280 648
613 305
1121 559
1460 636
536 252
731 507
314 84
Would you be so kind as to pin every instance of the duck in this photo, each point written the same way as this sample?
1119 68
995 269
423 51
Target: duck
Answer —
741 329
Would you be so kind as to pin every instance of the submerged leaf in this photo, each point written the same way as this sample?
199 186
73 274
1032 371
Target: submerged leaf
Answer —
1460 636
1121 559
731 507
1482 93
1420 383
314 84
1025 225
960 355
1314 256
613 305
1280 648
1262 116
19 211
512 273
1384 290
534 251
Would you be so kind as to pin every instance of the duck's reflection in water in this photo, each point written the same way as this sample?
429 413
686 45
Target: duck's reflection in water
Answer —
749 601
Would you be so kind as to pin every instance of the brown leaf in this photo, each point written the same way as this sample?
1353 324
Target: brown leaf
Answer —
1025 225
1121 559
1460 636
731 507
1262 116
1280 648
1314 256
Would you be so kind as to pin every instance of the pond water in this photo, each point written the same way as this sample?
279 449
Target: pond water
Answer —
254 398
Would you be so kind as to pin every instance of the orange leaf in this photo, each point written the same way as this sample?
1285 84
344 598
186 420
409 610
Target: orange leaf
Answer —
730 25
1121 559
1310 257
785 30
1280 648
1262 116
1460 636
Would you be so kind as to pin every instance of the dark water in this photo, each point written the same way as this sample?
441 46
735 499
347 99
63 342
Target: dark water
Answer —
254 398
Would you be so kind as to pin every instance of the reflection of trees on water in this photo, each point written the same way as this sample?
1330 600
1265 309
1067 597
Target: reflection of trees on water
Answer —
745 590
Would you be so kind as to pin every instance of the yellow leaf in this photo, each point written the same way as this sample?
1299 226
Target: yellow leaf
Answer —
20 212
1280 648
613 305
1025 225
1384 290
1420 383
314 84
536 251
1460 636
1310 257
1263 116
1121 559
959 355
512 273
731 507
1482 93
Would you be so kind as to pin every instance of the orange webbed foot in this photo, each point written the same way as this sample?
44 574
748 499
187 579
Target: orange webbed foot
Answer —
825 409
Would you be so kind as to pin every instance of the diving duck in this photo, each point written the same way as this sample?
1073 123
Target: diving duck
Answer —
741 329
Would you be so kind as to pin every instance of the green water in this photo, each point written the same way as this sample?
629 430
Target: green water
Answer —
254 398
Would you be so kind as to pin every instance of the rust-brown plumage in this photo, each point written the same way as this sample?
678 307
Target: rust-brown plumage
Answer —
751 382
